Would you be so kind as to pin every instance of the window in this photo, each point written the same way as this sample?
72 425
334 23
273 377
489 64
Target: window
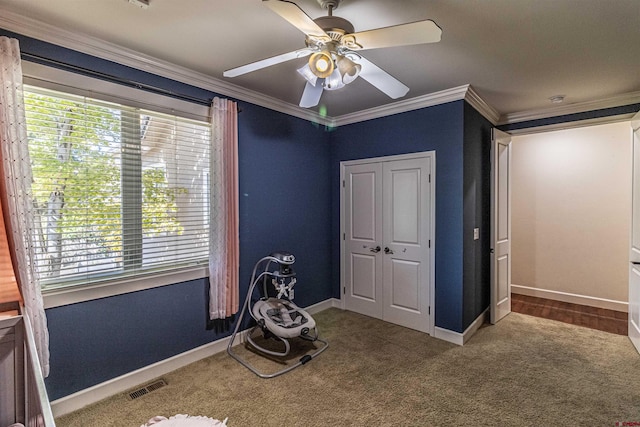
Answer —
118 191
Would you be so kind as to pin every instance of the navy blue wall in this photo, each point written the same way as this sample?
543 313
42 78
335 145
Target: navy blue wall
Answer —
285 198
438 128
94 341
285 204
477 214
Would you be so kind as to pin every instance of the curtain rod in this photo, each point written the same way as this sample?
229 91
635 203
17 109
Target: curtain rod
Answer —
113 79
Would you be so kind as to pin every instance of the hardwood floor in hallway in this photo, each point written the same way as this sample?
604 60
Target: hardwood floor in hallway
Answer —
576 314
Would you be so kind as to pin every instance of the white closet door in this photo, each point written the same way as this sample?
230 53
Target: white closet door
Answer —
363 238
406 212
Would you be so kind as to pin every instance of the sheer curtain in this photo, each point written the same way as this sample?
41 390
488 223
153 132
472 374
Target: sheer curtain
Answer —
224 251
15 193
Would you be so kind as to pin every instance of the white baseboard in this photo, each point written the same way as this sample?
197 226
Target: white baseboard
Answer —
323 305
457 337
440 333
448 335
120 384
571 298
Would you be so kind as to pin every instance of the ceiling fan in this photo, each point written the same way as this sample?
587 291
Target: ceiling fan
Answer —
333 49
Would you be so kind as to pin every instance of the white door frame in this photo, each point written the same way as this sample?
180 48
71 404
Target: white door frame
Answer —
569 125
432 258
634 244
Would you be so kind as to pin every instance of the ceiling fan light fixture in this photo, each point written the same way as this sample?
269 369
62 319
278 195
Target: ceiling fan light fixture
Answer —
349 70
334 81
306 72
321 64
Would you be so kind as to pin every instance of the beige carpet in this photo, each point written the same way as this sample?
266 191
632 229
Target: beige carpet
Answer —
525 371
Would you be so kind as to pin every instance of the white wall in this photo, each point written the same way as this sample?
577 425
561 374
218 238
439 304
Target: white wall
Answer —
571 206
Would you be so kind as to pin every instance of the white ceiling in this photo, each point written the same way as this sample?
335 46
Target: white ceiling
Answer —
514 53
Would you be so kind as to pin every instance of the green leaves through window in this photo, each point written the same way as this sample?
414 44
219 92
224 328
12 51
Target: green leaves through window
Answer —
117 191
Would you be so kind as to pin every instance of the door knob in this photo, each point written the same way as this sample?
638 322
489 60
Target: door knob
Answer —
388 251
375 250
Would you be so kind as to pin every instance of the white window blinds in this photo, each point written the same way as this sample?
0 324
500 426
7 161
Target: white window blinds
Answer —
118 191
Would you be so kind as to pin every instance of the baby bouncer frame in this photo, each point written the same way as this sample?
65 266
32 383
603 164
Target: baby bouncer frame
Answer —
278 318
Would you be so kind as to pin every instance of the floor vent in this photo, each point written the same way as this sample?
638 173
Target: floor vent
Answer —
146 389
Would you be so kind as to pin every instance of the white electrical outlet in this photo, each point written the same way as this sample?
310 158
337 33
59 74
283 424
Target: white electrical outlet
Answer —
476 233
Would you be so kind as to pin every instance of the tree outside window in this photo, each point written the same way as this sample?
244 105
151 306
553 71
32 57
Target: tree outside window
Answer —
116 190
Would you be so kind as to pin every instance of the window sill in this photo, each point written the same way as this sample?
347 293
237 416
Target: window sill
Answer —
64 296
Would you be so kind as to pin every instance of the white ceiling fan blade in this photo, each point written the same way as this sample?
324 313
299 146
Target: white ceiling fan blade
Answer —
267 62
311 95
398 35
381 79
296 17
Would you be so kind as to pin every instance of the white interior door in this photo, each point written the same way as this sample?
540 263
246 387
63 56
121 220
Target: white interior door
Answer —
363 238
500 225
406 234
634 252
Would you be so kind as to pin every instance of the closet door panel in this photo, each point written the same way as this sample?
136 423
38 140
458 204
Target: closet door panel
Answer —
406 229
363 236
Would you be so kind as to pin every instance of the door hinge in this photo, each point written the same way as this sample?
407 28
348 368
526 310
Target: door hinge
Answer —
344 290
429 242
429 310
344 236
429 177
343 184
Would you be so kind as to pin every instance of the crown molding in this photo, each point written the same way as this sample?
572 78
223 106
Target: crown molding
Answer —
429 100
465 92
572 125
578 107
487 111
